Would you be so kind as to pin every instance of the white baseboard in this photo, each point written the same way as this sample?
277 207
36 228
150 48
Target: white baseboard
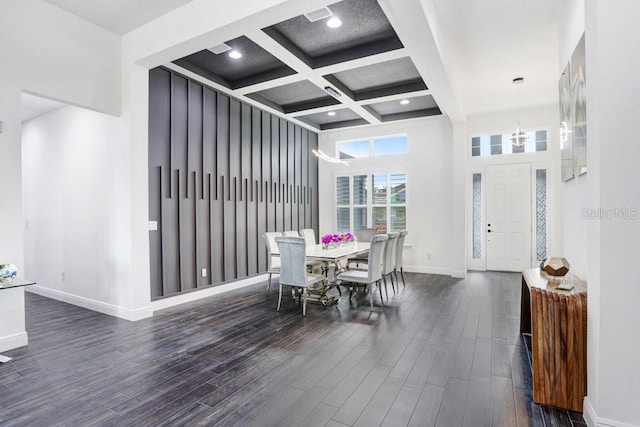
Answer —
91 304
429 270
459 274
10 342
592 419
207 292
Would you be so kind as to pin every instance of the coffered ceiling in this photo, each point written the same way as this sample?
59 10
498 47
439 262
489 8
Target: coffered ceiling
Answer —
446 57
321 75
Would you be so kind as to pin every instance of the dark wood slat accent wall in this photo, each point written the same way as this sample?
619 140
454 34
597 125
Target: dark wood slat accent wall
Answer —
221 173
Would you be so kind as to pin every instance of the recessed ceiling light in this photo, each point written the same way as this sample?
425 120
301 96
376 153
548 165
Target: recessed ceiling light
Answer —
334 22
331 113
404 102
235 54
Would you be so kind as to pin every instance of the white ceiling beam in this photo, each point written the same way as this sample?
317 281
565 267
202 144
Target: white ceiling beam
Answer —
281 81
316 110
413 24
363 62
306 72
396 97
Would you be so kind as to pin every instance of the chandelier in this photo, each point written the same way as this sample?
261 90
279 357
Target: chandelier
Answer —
519 137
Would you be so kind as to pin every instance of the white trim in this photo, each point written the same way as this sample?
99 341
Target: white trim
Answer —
478 264
91 304
429 270
459 274
10 342
592 419
204 293
371 141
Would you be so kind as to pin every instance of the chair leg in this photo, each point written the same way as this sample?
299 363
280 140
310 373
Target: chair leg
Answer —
279 297
385 288
404 285
380 290
393 286
269 283
371 296
304 301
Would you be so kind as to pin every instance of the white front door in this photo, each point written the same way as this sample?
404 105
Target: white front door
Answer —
508 217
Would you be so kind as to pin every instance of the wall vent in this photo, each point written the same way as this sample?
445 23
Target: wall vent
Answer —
319 14
221 48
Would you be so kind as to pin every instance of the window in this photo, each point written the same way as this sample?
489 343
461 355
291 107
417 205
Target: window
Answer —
354 149
541 214
377 200
373 147
477 216
493 145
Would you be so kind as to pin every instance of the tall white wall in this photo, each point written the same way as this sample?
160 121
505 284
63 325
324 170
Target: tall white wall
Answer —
76 210
574 191
429 168
612 67
52 53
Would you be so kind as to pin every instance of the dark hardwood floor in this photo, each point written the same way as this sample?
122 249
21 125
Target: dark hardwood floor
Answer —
441 352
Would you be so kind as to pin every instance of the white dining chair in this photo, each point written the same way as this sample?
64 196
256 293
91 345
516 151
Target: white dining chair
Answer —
310 240
373 273
293 269
362 235
399 258
388 262
273 261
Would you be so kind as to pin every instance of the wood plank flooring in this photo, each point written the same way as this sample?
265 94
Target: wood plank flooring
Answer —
441 352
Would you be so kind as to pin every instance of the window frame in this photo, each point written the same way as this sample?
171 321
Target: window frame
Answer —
372 145
502 134
369 173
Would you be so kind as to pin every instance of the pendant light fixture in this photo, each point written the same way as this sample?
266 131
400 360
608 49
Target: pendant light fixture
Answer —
321 155
519 137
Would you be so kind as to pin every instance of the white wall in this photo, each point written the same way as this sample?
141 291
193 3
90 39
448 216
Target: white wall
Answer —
11 225
52 53
612 67
429 168
76 208
575 196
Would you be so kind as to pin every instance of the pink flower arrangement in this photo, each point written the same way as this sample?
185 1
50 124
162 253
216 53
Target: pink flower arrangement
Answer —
329 240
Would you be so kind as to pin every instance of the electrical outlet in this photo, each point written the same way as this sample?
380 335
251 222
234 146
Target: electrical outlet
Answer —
204 272
153 225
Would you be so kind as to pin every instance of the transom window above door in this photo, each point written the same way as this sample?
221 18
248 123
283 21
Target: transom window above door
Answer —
495 145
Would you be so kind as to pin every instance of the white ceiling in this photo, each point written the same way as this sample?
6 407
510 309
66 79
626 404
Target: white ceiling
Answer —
489 42
485 44
119 16
34 106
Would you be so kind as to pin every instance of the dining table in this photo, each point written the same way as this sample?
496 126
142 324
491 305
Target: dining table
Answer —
332 256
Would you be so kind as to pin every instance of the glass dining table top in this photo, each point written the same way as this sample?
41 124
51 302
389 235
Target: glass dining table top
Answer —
334 254
16 283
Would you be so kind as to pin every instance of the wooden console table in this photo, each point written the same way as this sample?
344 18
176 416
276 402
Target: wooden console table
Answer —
557 322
